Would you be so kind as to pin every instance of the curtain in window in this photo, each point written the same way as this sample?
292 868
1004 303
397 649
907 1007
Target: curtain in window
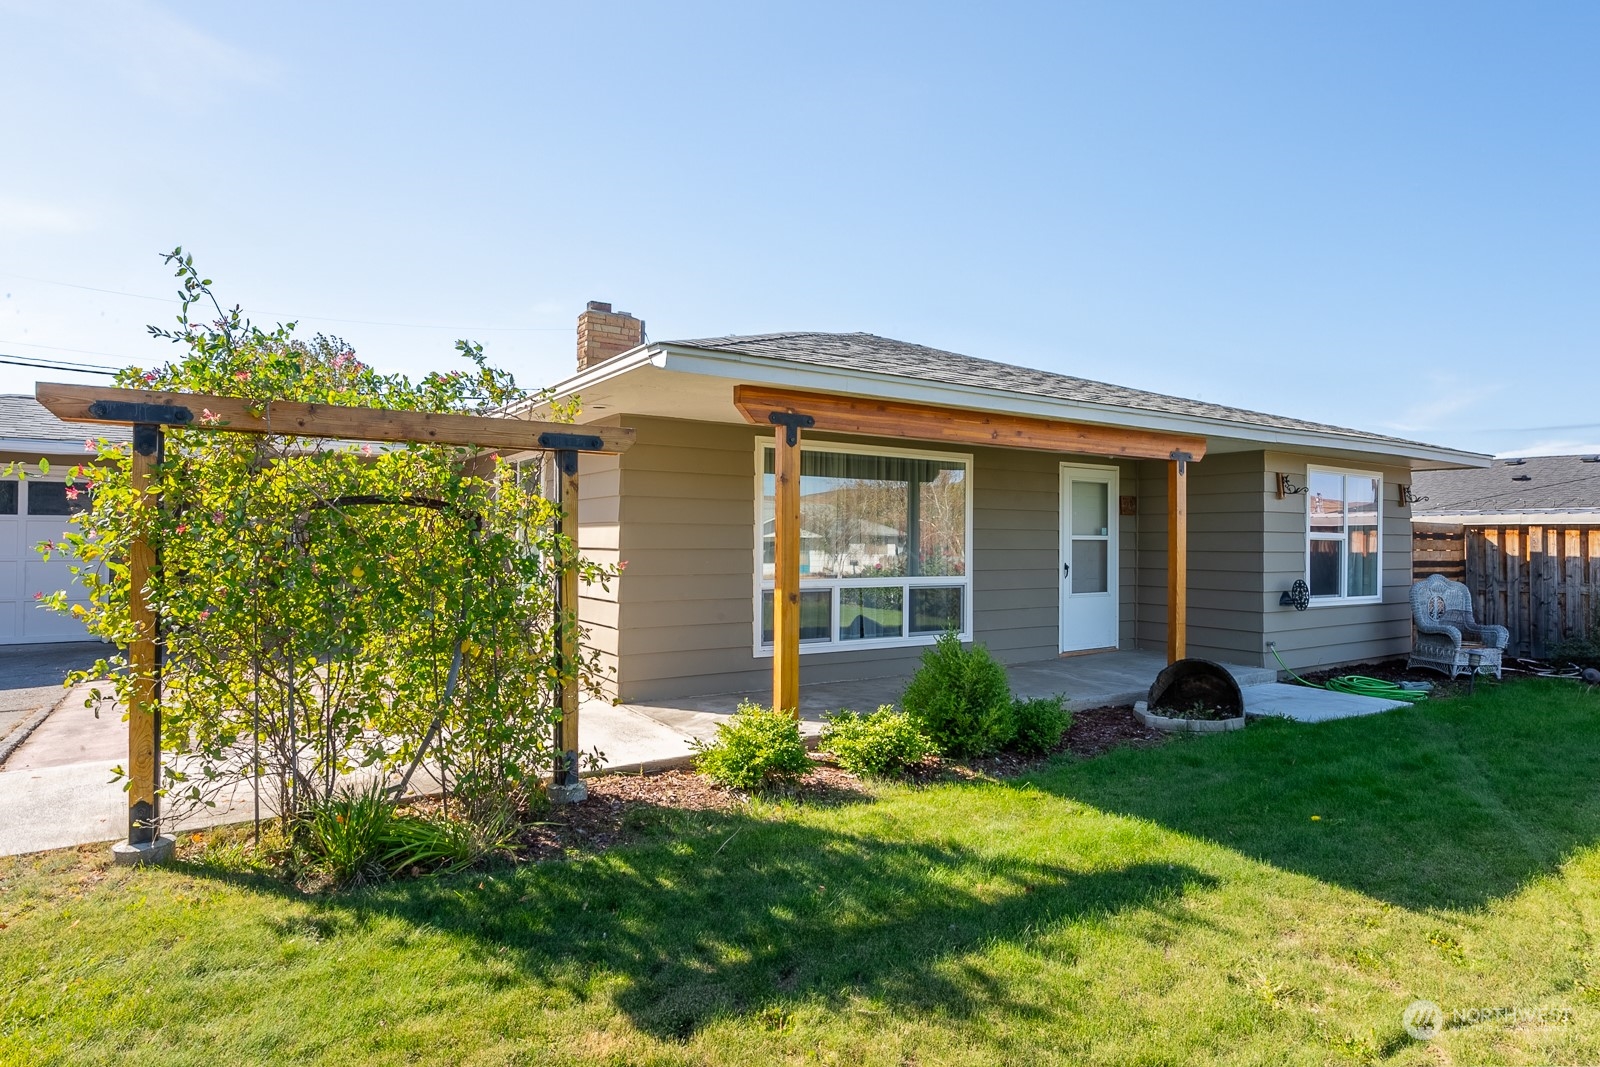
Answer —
874 516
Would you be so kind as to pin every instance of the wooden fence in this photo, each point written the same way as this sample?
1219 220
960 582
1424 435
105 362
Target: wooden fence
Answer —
1540 582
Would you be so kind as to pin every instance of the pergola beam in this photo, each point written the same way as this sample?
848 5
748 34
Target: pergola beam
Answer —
964 426
91 403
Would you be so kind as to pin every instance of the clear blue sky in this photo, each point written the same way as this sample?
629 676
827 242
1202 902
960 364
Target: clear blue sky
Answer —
1381 215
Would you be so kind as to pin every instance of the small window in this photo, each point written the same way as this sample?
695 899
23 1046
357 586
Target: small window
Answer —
1344 535
8 498
57 498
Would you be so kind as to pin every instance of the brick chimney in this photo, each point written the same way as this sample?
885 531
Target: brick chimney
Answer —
603 333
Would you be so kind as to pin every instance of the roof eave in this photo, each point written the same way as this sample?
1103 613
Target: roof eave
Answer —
732 364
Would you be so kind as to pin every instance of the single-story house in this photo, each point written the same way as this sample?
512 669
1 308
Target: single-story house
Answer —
35 509
1038 513
1524 535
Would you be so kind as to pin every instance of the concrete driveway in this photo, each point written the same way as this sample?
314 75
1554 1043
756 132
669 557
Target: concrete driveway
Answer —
31 677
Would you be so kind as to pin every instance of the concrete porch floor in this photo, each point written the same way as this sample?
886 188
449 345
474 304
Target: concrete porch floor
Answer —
658 733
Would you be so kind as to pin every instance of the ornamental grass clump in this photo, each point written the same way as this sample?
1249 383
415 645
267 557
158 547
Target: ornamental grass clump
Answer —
960 698
757 748
884 743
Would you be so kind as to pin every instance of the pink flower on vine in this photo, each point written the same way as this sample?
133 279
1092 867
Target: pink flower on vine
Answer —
207 416
72 493
149 375
88 444
38 596
206 614
216 516
242 375
183 527
366 450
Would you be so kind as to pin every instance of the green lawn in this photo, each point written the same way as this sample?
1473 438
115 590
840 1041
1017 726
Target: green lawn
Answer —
1176 905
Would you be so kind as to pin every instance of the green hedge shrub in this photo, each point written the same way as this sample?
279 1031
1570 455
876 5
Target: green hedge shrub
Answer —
960 698
756 749
883 743
1041 723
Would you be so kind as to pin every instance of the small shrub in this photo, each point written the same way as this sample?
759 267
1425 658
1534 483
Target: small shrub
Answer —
1041 723
960 699
756 749
883 743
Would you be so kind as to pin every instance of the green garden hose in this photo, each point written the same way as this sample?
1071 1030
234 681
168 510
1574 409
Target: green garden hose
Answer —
1360 685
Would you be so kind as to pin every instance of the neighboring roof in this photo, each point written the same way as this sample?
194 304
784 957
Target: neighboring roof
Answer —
1543 487
26 425
883 355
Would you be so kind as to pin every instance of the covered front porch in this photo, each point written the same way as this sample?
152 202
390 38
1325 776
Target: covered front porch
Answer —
658 733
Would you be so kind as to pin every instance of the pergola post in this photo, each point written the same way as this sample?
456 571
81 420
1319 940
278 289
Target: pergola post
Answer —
144 845
1178 556
786 561
566 785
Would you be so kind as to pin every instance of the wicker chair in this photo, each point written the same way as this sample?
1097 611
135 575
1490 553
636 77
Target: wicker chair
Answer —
1448 638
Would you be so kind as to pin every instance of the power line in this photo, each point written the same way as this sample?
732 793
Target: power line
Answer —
296 318
80 351
69 368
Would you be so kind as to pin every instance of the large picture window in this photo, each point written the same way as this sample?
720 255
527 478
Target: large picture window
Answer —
883 547
1343 539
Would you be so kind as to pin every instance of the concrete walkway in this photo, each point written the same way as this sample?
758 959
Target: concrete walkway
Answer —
1304 704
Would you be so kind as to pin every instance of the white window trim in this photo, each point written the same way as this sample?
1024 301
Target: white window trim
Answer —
1328 600
833 644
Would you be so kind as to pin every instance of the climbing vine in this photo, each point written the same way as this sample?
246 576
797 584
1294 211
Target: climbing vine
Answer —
315 595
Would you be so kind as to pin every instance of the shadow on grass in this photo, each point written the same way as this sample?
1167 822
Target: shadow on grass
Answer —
735 916
1440 805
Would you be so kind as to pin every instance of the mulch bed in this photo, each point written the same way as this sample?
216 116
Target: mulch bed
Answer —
602 821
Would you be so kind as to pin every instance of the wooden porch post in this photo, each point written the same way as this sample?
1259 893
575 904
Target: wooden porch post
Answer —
1178 557
786 558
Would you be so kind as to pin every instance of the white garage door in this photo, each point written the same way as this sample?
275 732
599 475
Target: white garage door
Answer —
32 511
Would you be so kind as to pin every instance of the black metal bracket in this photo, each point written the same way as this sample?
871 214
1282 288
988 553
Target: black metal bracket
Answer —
146 439
1286 487
566 461
1407 496
131 411
792 422
1182 459
578 442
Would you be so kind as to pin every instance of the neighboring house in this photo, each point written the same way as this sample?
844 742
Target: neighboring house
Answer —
35 509
1524 535
1027 510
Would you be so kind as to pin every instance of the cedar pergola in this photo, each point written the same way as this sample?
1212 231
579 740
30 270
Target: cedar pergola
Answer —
150 411
792 411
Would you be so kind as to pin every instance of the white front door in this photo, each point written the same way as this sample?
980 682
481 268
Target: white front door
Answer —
1088 558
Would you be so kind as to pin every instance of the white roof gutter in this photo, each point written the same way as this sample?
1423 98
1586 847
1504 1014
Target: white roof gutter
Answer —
1576 517
782 372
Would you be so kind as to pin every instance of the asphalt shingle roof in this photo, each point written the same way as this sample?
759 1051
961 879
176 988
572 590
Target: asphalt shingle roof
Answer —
884 355
1554 484
23 416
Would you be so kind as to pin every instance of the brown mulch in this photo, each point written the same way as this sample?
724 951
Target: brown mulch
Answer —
611 813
